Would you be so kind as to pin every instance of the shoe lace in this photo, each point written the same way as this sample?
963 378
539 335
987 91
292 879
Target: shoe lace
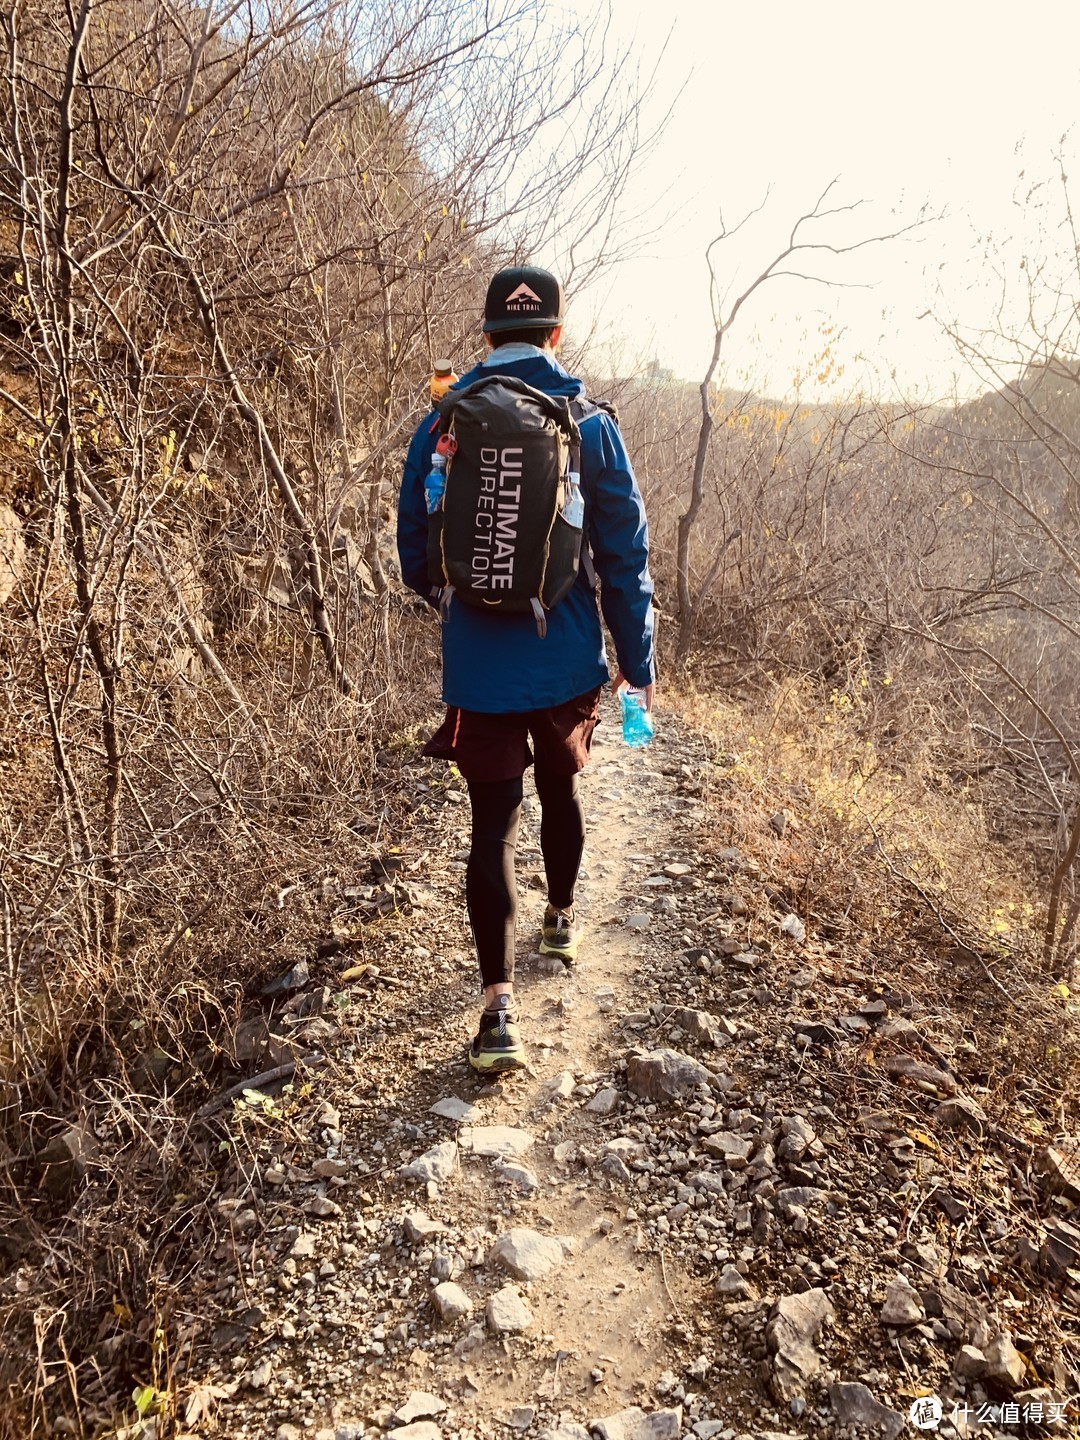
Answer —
560 919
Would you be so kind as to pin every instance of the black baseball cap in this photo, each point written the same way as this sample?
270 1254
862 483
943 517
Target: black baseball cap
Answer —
523 297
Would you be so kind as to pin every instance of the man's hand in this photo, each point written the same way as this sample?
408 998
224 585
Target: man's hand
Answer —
620 679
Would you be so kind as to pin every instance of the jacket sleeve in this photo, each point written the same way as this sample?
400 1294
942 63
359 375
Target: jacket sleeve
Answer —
412 523
619 539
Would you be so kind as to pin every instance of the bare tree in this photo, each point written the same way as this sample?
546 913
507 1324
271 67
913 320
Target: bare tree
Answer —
233 236
726 307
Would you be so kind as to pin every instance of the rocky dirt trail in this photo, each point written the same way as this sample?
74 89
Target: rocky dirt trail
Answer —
743 1189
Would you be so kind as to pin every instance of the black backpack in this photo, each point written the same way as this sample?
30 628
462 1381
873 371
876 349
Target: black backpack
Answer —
501 540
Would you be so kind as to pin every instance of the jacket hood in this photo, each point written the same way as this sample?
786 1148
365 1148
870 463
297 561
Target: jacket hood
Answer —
543 372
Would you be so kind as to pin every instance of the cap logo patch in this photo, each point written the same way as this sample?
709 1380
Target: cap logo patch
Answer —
523 299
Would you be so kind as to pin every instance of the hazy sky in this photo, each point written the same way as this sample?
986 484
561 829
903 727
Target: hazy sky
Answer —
946 103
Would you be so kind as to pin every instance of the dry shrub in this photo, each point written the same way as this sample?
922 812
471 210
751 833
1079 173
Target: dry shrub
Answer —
896 865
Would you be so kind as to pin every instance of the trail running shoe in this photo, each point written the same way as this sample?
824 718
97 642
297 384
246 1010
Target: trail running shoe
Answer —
562 934
497 1045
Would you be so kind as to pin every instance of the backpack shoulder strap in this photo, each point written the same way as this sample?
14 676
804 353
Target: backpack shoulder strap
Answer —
581 409
584 406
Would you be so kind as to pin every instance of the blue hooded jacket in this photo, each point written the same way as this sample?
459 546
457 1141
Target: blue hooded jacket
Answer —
498 664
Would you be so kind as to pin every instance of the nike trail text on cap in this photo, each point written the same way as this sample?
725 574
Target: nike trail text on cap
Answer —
523 297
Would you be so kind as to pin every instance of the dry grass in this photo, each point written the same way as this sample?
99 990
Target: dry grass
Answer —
896 867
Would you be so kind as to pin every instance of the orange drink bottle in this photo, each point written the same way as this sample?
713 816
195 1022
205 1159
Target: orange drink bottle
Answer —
442 378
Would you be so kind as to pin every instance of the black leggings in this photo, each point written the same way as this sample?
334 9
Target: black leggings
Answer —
490 887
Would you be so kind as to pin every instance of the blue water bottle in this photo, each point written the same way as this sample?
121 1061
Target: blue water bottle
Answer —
435 484
637 723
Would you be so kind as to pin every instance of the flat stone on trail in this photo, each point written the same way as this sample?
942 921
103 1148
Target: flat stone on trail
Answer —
438 1163
559 1087
639 920
503 1140
706 1180
451 1301
855 1405
507 1313
699 1025
664 1074
419 1226
303 1247
634 1424
732 1283
798 1135
902 1304
677 869
603 1102
520 1176
527 1254
421 1430
421 1405
451 1108
734 1150
791 1332
330 1169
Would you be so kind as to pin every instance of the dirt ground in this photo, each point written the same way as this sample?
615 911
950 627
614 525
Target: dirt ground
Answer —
807 1219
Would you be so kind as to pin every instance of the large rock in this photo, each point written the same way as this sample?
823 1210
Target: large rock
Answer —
519 1176
732 1284
438 1163
793 1328
970 1363
700 1026
421 1405
663 1075
797 1137
902 1304
418 1227
507 1313
734 1150
1004 1363
604 1102
635 1424
451 1301
855 1405
527 1254
559 1087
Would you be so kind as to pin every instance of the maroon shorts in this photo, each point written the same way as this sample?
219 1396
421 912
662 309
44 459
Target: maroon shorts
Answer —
496 747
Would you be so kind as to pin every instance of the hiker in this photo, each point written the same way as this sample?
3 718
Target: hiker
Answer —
509 677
